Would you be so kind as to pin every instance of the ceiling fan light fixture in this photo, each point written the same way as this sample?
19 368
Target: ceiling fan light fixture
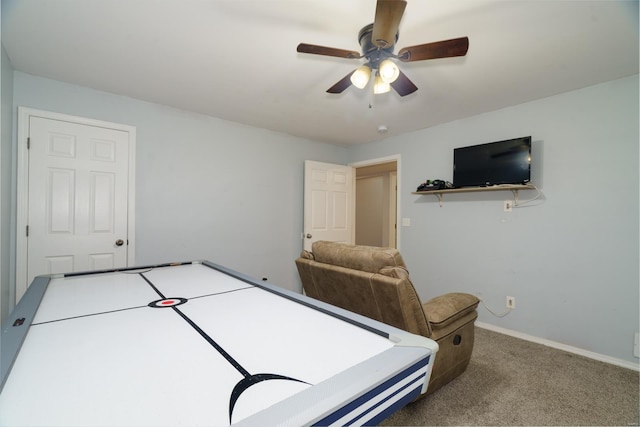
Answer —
380 86
361 76
388 71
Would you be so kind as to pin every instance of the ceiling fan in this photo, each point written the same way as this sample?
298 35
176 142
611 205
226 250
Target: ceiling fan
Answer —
377 41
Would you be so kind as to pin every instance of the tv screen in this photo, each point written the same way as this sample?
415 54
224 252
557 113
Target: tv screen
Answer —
502 162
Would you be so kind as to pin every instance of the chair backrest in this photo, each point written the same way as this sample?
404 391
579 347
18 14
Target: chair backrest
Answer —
370 281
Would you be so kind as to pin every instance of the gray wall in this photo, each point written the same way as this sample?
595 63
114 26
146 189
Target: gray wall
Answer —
570 259
205 188
6 162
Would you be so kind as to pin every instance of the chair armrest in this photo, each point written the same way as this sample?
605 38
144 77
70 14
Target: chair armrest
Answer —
446 309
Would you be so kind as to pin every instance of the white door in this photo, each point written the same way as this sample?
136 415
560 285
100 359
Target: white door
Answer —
328 203
77 195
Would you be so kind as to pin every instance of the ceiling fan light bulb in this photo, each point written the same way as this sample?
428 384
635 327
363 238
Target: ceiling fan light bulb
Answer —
360 76
388 71
380 86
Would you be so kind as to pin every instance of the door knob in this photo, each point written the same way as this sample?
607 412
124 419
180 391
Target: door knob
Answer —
309 236
119 242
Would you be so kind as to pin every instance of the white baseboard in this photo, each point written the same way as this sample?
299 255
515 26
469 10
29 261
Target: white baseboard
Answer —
560 346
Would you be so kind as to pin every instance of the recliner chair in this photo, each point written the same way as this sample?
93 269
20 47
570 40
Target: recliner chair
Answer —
375 283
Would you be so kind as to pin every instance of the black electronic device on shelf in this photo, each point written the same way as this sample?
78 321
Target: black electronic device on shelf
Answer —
434 184
495 163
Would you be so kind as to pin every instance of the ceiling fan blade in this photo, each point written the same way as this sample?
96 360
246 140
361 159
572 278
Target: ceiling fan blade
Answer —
403 85
385 26
442 49
327 51
342 84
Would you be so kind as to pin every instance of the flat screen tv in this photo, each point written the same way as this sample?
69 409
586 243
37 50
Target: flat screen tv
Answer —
495 163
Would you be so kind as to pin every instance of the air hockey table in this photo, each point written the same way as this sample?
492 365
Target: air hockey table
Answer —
195 344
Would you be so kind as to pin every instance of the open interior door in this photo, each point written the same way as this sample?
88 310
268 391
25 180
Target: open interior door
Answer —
328 203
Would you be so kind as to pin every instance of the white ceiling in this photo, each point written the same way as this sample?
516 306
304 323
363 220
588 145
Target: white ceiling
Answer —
237 59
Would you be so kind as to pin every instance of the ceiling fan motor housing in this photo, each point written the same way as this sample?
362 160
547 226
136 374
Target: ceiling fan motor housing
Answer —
372 52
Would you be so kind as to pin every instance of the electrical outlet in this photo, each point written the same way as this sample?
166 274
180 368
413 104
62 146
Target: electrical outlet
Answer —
508 205
511 302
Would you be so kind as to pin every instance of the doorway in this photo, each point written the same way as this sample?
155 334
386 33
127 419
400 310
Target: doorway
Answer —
377 203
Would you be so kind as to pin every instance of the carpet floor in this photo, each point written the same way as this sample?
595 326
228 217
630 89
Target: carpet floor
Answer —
513 382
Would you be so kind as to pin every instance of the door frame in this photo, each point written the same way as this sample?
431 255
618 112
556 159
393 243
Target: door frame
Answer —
392 158
22 186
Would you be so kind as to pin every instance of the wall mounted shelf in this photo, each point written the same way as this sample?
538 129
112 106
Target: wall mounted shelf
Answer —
514 188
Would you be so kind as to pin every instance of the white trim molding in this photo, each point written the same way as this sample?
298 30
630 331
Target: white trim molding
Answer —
560 346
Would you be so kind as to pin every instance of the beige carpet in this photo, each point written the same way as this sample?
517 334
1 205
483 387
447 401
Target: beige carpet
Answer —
515 382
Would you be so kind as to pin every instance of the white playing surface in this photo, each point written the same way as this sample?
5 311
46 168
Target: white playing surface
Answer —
96 354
